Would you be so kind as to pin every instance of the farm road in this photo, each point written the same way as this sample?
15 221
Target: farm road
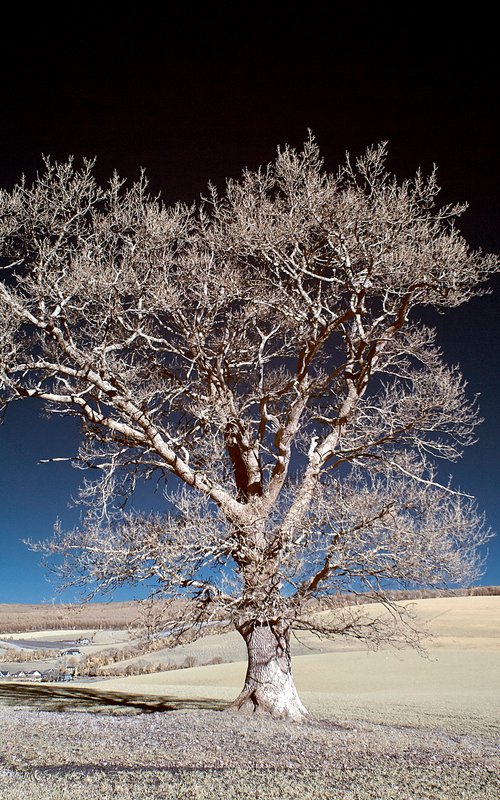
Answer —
31 644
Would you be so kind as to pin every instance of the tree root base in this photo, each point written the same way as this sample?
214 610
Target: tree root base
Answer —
249 705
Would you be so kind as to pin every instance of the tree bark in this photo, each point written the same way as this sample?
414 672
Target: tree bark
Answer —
269 686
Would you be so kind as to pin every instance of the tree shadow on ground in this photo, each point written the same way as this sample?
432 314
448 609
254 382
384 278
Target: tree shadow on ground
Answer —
44 697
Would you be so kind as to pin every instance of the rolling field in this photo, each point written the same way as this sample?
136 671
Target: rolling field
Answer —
383 724
457 683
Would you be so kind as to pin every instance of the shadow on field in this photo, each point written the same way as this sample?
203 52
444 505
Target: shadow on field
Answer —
43 697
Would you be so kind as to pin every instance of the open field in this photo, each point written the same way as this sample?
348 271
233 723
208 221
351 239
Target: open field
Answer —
23 617
383 725
15 617
455 623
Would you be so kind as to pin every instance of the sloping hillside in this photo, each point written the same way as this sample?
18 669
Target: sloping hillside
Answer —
457 686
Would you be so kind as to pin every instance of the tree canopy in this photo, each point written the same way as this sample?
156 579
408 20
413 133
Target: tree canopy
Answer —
261 352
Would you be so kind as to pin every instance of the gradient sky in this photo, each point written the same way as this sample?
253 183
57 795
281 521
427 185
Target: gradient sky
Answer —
190 112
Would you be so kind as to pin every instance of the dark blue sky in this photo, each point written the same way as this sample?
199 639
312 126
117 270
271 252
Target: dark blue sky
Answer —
191 112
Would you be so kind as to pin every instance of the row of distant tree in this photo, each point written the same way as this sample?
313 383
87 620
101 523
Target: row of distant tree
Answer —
407 594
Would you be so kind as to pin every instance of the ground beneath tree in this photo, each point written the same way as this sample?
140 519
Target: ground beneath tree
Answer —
204 753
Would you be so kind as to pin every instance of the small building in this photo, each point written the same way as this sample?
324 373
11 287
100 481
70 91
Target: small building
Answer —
50 675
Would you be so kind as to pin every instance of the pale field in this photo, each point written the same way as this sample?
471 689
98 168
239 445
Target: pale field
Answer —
456 684
456 623
384 725
101 640
100 637
15 617
454 691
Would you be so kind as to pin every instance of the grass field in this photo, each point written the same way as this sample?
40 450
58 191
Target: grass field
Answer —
16 617
383 725
458 681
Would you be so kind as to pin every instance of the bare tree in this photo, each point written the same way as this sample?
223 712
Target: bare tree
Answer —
262 354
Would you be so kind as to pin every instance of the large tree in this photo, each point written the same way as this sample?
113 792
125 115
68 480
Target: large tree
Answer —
262 353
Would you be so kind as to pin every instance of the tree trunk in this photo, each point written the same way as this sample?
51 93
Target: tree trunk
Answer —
269 686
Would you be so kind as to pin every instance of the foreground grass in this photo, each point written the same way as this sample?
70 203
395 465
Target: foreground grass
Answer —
398 783
204 753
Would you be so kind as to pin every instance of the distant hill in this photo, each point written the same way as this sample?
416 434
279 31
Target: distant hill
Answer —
20 617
